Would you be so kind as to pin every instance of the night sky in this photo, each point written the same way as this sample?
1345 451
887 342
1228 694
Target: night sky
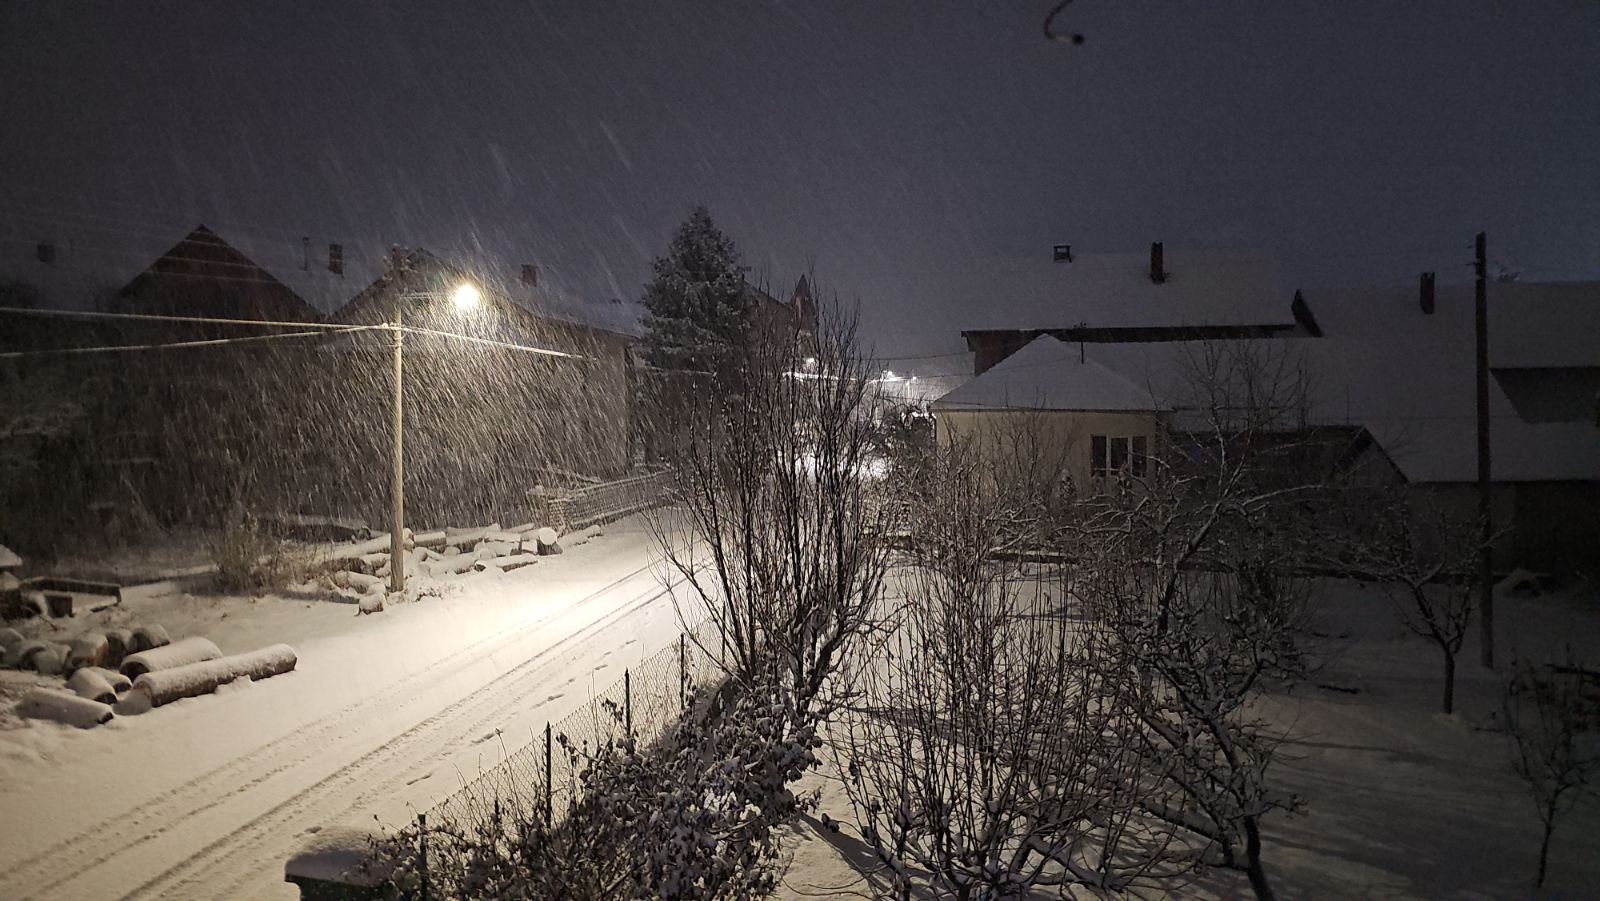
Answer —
1360 142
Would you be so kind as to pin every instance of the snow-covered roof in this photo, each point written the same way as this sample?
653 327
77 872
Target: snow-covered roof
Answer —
1049 374
1114 290
1413 389
76 260
1531 324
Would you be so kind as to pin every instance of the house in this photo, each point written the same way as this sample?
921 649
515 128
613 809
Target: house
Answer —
1392 370
569 411
1124 297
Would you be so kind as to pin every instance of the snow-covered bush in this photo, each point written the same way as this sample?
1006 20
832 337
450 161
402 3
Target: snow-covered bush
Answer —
692 817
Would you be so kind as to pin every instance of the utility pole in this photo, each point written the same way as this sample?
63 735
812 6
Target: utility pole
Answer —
1485 507
397 471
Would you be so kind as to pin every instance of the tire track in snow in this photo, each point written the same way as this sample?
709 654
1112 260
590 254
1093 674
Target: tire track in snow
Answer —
226 867
72 858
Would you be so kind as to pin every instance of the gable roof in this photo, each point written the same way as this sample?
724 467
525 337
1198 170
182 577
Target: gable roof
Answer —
1049 374
78 260
1531 324
1115 291
511 303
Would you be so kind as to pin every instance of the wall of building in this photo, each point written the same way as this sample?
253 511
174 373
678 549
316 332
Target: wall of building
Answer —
1055 434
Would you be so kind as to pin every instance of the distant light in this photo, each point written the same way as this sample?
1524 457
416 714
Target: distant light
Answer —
465 297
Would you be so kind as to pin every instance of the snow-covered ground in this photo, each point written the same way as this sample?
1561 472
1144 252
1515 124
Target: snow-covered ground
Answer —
384 716
1400 800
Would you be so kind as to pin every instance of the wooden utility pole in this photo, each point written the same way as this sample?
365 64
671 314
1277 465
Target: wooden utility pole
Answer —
397 472
1485 507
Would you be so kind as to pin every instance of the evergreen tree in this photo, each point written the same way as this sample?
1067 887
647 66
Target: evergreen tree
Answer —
700 307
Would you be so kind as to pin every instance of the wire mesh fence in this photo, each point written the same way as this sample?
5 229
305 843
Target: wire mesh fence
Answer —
543 775
608 500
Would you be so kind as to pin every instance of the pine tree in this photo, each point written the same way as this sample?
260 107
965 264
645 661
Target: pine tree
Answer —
700 306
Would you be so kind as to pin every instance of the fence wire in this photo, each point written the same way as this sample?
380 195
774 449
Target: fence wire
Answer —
543 774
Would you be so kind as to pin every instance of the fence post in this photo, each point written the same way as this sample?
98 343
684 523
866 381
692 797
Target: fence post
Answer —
422 842
549 801
683 672
627 703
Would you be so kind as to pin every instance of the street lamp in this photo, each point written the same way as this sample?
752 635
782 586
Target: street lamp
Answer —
464 297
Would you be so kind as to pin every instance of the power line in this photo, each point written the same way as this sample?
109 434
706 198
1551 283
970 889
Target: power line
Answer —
525 348
170 345
153 317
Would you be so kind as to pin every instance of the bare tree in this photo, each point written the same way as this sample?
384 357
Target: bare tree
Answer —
1191 574
1425 559
784 547
985 756
1553 718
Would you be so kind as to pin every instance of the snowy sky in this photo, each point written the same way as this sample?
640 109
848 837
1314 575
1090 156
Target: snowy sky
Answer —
1359 141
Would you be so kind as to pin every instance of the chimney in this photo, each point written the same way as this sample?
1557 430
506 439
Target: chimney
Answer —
1158 269
1425 293
1063 253
336 258
305 254
530 275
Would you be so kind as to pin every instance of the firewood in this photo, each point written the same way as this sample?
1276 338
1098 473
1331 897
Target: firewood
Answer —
47 704
193 649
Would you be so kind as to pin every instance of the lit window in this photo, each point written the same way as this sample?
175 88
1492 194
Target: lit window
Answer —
1119 454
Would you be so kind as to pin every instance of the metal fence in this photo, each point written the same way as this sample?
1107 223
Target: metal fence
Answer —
609 500
542 776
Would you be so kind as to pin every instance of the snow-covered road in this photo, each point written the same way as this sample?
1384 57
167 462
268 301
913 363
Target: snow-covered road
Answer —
206 798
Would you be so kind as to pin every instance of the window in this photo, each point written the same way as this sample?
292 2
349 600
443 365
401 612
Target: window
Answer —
1118 454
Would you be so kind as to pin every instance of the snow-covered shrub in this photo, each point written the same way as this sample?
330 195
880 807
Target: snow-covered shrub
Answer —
691 817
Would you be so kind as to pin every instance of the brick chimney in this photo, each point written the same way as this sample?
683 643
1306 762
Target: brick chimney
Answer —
1158 269
1425 293
530 275
1063 253
336 258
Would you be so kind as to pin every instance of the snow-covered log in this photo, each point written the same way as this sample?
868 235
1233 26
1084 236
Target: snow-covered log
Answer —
119 645
503 535
88 683
119 682
48 704
516 561
434 539
183 652
371 563
52 660
357 581
88 650
548 541
195 679
10 638
371 602
147 638
488 550
378 544
449 566
20 656
465 538
9 558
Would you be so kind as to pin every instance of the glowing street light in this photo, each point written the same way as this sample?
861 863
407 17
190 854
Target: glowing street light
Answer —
465 297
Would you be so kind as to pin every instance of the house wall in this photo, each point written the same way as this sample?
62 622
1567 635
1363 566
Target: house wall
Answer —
1061 434
1553 526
